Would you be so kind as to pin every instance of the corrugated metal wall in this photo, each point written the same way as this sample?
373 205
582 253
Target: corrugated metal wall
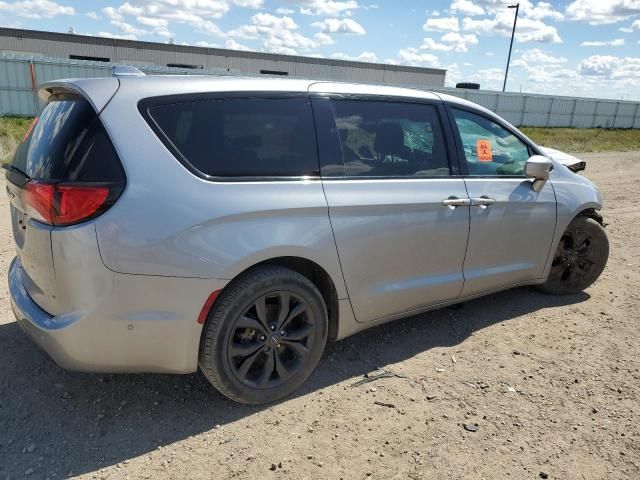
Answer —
19 77
532 110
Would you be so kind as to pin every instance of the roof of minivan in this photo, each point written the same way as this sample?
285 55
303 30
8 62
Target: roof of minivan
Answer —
156 85
100 90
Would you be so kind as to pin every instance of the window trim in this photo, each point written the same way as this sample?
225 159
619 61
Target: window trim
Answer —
146 103
462 158
455 170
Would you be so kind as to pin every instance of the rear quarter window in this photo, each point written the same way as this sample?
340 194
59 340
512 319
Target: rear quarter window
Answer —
69 142
239 137
60 129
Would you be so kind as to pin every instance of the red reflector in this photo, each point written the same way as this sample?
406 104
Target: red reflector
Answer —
62 204
28 132
73 204
207 306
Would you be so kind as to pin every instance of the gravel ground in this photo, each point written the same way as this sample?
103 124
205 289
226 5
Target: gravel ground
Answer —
553 384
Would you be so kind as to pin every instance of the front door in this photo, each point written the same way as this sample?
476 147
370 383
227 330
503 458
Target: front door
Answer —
512 226
400 247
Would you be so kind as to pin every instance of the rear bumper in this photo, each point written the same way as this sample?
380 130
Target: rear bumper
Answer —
138 324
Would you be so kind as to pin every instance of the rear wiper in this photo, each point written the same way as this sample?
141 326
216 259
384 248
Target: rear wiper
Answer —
12 168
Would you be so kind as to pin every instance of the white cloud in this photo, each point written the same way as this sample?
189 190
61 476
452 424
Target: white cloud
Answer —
196 13
459 41
93 16
152 22
598 12
538 57
466 7
528 9
610 67
285 11
415 57
363 57
542 10
323 39
112 13
128 29
335 25
633 27
36 9
442 24
502 24
329 8
209 28
278 34
157 15
598 43
450 42
249 3
233 45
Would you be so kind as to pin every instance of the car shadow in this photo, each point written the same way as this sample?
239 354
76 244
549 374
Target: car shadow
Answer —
67 423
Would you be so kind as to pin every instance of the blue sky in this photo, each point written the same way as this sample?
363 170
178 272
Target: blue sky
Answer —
572 47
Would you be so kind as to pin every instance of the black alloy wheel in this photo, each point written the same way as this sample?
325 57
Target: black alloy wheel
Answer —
265 335
271 340
580 258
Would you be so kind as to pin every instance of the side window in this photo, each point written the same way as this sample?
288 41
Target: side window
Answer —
396 139
242 137
489 148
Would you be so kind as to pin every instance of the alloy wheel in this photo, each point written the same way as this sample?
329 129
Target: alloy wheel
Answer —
574 258
271 340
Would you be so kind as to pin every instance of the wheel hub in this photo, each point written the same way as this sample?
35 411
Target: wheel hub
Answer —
274 341
271 339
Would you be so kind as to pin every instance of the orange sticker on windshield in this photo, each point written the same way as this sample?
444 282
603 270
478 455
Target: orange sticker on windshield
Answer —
484 150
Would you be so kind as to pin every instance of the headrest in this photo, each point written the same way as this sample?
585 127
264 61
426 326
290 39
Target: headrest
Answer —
389 138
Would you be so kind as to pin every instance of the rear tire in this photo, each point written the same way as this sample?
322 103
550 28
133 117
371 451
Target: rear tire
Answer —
265 335
580 258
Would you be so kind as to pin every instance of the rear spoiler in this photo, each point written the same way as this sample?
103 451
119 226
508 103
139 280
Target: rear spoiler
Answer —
97 91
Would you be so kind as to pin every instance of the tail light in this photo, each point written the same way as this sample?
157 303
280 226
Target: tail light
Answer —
62 204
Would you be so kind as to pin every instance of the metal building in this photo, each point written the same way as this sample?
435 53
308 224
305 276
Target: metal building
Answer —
82 47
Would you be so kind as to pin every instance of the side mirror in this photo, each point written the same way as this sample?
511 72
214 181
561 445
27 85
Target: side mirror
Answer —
538 168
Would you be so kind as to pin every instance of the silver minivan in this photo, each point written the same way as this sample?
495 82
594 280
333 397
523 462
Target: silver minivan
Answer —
166 224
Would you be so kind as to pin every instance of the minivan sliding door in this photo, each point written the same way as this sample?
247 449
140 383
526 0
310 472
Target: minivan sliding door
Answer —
399 217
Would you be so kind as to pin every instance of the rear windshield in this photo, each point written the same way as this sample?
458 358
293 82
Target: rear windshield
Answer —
240 137
69 143
61 126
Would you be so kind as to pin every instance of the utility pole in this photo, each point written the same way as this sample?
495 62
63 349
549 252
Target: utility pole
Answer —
513 33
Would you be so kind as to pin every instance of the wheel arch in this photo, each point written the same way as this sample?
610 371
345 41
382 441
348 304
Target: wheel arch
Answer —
592 212
311 270
588 209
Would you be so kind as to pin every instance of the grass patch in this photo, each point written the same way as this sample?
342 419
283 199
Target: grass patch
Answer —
12 129
577 140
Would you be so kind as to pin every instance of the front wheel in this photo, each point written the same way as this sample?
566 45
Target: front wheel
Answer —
265 335
580 258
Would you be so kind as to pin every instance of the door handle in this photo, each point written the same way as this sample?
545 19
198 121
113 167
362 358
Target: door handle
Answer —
453 202
483 201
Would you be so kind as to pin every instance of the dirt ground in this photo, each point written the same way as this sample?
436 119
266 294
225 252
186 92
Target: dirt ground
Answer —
553 384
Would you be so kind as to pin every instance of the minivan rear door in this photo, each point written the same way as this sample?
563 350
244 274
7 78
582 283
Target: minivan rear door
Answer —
43 156
399 211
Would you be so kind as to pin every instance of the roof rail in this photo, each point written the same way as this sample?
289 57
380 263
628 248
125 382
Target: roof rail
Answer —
126 71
